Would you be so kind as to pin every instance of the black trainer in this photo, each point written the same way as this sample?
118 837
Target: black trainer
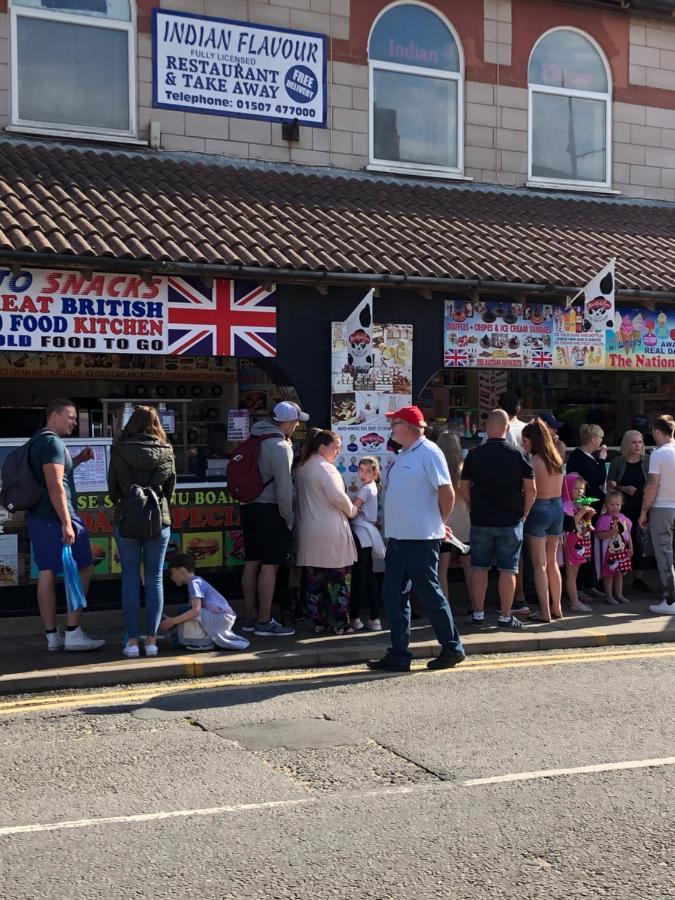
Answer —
511 624
477 623
447 659
387 664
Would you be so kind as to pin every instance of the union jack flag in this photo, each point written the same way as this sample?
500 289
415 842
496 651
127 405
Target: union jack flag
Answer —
455 358
542 359
230 318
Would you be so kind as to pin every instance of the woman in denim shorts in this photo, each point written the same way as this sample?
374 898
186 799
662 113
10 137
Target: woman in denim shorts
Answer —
544 524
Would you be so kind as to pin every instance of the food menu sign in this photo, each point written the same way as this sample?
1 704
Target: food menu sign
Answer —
498 334
47 310
522 335
371 376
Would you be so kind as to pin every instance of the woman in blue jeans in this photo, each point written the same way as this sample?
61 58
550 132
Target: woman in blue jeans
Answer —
142 456
544 523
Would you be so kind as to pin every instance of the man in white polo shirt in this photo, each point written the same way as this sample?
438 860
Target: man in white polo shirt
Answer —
418 500
658 509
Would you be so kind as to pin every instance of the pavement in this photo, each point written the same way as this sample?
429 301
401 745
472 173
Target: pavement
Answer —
26 666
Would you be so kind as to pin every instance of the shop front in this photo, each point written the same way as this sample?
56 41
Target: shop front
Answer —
548 354
108 343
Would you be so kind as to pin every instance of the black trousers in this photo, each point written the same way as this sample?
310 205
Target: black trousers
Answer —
364 585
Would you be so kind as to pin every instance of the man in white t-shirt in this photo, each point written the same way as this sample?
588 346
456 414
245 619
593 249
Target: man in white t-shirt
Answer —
658 508
418 500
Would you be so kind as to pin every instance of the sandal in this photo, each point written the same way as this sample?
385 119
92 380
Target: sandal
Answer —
581 607
538 619
347 630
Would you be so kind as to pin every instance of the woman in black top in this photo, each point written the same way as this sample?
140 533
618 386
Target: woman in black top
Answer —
588 461
628 475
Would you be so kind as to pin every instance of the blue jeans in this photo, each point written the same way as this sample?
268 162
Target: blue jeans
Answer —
131 552
415 562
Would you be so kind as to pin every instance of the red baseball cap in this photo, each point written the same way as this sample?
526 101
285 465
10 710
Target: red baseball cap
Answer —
411 414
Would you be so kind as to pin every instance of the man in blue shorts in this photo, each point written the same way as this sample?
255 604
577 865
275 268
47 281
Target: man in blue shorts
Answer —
52 523
498 487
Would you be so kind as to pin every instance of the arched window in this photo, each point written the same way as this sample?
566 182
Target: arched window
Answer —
570 111
416 92
73 67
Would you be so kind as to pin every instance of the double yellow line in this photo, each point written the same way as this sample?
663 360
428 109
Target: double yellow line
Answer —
143 693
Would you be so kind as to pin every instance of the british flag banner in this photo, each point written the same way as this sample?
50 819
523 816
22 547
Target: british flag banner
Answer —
221 318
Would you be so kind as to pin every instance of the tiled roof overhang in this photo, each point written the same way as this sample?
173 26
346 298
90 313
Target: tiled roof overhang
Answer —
75 207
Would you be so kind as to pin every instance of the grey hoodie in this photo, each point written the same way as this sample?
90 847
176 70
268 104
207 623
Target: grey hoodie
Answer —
274 462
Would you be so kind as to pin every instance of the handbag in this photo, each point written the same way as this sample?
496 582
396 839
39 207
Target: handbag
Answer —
644 541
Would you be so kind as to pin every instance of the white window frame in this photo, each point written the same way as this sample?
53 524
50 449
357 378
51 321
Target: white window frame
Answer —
63 129
533 88
408 168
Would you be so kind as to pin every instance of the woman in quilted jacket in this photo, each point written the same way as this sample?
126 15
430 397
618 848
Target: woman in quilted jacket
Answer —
142 456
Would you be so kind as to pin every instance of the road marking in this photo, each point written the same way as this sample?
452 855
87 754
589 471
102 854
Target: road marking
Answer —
151 817
11 830
577 770
129 695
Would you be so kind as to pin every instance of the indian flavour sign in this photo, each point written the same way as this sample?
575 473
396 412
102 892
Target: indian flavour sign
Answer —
49 310
227 68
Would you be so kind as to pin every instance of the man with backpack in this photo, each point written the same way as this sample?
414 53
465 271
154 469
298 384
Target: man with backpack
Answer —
52 523
259 476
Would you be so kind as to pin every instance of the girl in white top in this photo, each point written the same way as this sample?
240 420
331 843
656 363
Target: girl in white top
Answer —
364 584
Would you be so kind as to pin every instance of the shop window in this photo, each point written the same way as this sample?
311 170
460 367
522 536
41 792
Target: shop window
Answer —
73 67
569 111
416 92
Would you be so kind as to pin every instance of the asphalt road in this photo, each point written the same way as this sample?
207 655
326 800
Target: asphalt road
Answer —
350 785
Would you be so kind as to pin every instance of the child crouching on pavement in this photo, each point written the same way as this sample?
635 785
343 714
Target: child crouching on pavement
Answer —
210 620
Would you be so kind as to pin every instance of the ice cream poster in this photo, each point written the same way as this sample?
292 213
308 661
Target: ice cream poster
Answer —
576 347
498 333
643 339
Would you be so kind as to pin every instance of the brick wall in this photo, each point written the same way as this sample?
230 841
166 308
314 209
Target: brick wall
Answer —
343 144
641 53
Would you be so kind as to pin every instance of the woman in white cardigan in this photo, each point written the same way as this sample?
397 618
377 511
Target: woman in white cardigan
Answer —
325 546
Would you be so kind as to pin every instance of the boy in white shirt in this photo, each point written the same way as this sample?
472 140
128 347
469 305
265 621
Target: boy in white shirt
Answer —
211 616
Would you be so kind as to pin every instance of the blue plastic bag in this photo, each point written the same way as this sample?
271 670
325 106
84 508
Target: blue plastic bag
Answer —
71 578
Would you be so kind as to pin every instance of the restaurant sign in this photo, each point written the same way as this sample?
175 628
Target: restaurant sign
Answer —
49 310
227 68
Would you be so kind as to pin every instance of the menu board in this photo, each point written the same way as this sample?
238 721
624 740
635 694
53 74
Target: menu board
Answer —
499 334
576 346
9 560
371 376
93 474
643 339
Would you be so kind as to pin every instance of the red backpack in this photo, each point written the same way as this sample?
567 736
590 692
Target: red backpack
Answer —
244 480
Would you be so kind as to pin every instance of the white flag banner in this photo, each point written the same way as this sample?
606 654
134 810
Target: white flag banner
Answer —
358 335
599 309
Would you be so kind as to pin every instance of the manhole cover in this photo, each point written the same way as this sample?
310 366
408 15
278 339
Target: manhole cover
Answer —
293 734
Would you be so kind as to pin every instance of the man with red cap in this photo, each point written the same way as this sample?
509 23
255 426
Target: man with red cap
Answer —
418 500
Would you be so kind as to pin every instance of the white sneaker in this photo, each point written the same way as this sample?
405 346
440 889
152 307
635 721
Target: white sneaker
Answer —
77 641
357 624
131 650
54 641
151 649
663 608
374 625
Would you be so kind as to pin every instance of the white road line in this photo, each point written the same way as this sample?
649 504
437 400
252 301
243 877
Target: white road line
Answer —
577 770
151 817
9 830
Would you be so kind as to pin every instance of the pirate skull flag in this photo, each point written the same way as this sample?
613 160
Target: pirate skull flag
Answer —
358 335
599 310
